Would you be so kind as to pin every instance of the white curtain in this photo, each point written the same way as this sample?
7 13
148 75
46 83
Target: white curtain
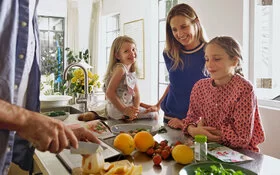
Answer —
72 26
94 33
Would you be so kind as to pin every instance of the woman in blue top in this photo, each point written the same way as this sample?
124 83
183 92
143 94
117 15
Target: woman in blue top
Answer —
184 59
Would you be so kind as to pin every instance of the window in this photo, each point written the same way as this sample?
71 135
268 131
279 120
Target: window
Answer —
163 8
266 59
52 49
112 31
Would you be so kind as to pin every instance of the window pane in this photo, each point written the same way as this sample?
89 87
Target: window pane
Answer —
43 23
161 48
161 12
107 55
52 50
162 31
161 89
110 38
112 23
163 74
266 59
56 24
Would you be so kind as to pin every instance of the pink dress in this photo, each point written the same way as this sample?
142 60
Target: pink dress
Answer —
231 108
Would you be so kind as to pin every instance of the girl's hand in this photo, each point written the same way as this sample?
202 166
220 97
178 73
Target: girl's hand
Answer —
131 112
150 108
212 133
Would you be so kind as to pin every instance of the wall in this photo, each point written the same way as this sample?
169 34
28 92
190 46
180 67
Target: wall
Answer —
271 123
47 8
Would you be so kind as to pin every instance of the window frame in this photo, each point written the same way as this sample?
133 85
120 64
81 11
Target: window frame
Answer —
252 47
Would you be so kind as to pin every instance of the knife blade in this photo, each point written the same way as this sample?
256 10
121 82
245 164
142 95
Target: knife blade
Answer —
86 148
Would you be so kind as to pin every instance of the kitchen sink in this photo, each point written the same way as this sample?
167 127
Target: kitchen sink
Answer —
69 109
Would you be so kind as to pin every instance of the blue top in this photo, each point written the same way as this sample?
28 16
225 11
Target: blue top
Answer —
14 21
176 102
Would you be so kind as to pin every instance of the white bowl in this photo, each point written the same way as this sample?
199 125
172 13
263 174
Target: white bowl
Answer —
49 101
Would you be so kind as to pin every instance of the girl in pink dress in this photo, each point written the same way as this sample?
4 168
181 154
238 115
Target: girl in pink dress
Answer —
224 107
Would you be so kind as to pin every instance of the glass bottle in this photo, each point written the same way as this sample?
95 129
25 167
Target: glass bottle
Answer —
200 148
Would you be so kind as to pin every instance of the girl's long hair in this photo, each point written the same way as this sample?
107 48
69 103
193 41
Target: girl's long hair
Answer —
115 48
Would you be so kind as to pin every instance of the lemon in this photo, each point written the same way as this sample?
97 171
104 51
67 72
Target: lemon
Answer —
182 154
125 143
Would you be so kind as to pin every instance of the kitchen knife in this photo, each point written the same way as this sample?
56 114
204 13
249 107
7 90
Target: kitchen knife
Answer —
86 148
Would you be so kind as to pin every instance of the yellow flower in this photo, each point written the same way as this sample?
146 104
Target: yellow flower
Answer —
74 80
77 82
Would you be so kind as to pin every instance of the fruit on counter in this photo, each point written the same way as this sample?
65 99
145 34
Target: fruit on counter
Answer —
143 141
150 151
182 154
163 143
165 154
93 163
157 159
125 143
121 167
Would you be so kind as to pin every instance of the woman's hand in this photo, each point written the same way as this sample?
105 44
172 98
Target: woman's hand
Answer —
150 108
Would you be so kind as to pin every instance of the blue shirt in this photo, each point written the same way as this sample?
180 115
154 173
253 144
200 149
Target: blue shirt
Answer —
176 102
14 30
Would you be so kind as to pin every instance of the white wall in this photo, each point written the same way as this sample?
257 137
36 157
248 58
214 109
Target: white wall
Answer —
220 17
52 8
271 122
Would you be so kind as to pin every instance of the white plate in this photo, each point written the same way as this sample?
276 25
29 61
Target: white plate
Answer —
116 129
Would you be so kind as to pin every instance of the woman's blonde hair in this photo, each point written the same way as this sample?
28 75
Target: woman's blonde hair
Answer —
232 48
173 47
115 48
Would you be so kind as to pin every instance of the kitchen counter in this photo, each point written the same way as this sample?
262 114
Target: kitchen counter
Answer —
49 164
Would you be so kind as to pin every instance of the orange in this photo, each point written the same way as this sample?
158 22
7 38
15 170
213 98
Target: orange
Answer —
125 143
143 141
182 154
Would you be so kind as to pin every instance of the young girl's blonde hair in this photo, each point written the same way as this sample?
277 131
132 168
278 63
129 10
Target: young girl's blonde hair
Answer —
232 48
173 47
115 48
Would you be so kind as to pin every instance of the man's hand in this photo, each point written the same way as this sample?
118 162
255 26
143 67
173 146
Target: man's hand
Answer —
84 134
45 133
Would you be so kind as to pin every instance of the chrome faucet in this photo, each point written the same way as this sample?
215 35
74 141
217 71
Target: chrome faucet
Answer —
80 99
